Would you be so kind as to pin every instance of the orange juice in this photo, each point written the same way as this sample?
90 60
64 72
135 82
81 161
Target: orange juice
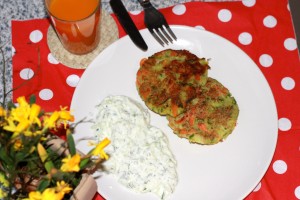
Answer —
72 10
76 23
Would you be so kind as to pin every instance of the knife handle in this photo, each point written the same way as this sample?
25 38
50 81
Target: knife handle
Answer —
145 3
127 23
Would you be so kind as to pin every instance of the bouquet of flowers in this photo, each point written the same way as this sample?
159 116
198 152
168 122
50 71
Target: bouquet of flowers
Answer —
31 167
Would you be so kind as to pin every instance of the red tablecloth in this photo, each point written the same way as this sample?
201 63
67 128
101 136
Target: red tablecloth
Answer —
262 28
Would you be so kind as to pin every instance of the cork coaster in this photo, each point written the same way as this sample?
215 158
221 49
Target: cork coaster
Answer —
108 34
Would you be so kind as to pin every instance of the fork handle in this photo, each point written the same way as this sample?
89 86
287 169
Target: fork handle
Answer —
145 3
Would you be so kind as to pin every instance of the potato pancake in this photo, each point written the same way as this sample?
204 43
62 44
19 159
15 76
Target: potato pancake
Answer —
169 79
209 118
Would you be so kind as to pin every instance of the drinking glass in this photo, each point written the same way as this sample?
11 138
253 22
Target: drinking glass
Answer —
76 23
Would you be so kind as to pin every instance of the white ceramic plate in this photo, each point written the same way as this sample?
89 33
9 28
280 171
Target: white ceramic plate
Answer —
228 170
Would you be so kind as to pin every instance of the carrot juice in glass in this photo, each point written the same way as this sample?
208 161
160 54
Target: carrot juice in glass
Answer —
76 23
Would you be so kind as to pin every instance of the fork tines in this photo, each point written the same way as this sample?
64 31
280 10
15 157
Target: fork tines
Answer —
163 34
157 24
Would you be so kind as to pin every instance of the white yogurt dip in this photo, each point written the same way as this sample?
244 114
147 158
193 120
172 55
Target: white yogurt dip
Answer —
140 157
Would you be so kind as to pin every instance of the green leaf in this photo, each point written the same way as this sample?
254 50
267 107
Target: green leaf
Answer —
84 163
32 99
43 184
5 158
71 144
19 156
48 166
10 105
44 157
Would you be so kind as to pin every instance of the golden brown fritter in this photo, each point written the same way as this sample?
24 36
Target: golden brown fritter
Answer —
209 118
168 80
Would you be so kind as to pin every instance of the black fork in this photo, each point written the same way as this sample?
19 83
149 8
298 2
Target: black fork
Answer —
157 24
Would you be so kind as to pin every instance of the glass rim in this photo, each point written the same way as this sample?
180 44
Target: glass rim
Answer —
63 20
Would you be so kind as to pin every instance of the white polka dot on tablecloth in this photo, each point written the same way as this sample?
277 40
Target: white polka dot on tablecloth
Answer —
270 21
224 15
288 83
72 80
290 44
199 27
36 36
265 60
257 188
26 73
297 192
46 94
245 38
280 167
284 124
135 12
52 60
248 3
179 9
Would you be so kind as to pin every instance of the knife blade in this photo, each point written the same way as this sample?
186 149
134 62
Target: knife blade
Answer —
295 12
127 23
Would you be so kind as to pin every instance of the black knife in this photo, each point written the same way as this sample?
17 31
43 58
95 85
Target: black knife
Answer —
295 12
127 24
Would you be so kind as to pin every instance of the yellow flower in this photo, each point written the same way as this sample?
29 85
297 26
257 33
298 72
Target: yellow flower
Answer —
11 126
2 112
32 149
34 113
18 144
22 112
23 125
42 152
29 133
2 194
22 101
66 115
50 194
16 129
3 180
98 151
50 122
44 157
71 164
62 188
22 117
34 195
